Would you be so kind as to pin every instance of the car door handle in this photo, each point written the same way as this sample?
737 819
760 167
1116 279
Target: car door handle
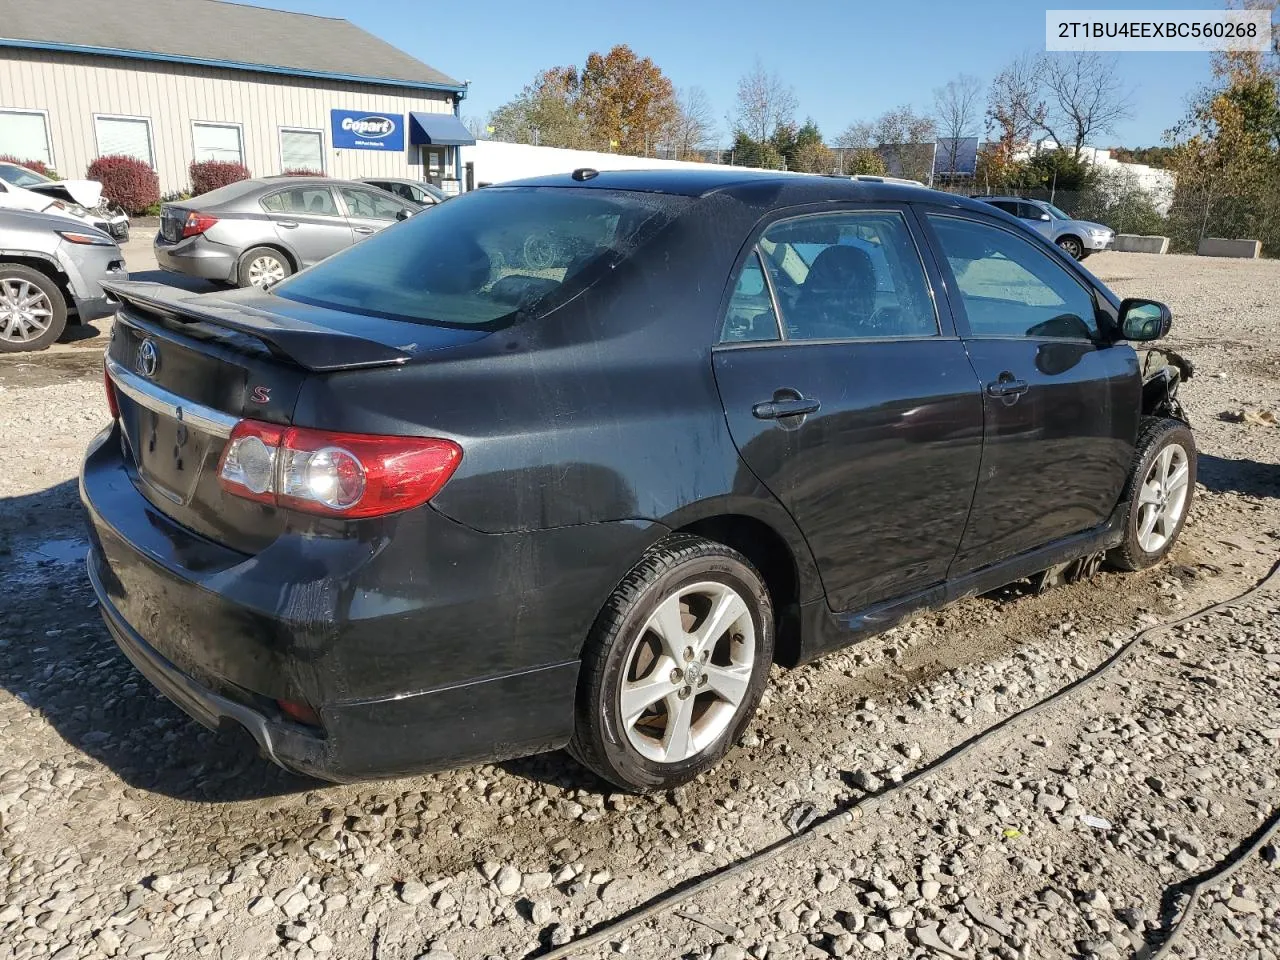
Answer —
363 229
287 224
778 409
1008 387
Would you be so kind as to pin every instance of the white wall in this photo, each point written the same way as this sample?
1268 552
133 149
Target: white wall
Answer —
70 88
499 162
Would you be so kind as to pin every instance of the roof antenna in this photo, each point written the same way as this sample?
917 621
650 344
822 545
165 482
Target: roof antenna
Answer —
585 173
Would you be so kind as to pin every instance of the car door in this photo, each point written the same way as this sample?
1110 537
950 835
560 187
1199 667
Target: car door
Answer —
1062 402
1035 218
850 398
368 211
306 218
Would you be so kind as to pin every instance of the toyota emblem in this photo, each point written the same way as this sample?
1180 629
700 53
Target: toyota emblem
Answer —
148 358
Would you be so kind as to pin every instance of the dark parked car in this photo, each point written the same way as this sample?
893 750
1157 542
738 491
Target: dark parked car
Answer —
427 504
415 191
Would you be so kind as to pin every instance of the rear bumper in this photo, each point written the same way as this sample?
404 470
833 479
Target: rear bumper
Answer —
195 257
412 664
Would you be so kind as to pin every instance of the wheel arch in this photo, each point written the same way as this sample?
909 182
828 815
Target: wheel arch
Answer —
51 269
277 246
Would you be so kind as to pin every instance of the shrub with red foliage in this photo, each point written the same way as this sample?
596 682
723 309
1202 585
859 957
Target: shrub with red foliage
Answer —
209 175
35 166
127 182
303 173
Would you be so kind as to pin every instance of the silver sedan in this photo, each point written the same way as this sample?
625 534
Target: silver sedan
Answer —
257 232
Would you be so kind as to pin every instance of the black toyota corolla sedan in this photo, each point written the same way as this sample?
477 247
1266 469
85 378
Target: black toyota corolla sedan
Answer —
573 461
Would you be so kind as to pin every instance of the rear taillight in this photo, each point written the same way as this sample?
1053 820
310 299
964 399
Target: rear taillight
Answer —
113 403
334 474
197 223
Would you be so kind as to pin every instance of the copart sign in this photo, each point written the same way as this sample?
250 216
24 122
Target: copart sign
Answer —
362 130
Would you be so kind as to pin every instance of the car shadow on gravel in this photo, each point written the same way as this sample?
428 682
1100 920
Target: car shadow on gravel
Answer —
57 657
1247 477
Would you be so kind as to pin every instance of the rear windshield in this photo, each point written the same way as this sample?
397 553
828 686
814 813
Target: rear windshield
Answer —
487 258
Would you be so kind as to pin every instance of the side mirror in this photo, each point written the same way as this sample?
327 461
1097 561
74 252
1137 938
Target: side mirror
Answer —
403 214
1045 217
1143 320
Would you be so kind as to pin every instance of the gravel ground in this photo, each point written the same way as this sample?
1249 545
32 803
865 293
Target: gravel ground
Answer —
129 831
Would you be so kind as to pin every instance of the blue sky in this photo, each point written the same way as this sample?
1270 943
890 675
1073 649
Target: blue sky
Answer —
846 59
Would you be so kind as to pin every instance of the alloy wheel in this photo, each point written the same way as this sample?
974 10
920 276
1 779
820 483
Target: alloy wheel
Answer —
1071 247
1163 498
265 271
687 672
25 310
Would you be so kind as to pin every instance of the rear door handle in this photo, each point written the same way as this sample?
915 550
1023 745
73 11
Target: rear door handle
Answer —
287 224
1008 387
778 409
363 229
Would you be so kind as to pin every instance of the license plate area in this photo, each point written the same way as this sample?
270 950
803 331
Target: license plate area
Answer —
168 453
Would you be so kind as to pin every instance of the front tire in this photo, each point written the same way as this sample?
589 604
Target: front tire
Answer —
1072 247
674 666
33 311
1158 495
262 267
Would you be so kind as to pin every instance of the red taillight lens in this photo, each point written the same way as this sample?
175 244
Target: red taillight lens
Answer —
197 223
113 402
301 712
334 474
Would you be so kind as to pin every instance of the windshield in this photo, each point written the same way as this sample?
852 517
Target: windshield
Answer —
20 176
1055 212
488 257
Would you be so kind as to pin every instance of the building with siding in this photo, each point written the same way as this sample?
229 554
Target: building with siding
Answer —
172 81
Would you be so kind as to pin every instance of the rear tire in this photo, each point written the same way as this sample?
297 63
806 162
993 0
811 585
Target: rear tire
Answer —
674 667
262 267
1072 247
1158 495
33 311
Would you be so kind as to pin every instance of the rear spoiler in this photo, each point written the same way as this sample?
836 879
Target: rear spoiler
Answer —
310 346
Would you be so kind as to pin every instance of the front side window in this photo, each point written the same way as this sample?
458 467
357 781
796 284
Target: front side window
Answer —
124 136
1009 287
848 276
369 205
217 141
316 201
488 258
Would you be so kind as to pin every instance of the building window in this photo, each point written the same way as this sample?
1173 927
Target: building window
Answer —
25 134
124 136
301 150
217 141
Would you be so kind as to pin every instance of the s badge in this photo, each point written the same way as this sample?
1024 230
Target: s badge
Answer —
261 394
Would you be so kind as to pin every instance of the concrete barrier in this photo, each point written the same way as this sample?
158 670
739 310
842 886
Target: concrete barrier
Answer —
1136 243
1217 247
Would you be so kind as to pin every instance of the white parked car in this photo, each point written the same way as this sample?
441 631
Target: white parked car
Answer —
81 200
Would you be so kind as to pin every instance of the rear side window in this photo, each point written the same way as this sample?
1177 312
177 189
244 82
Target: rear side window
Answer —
317 201
848 276
1009 287
750 316
489 257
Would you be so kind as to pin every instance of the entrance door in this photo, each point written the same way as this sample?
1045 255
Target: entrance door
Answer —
849 403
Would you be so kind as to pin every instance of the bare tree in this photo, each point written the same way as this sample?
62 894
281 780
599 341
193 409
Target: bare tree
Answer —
906 142
957 109
1015 109
764 103
1085 97
694 125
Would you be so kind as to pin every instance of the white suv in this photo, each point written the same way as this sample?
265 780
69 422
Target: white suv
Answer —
1077 238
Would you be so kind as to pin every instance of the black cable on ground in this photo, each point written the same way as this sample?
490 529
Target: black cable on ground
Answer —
846 813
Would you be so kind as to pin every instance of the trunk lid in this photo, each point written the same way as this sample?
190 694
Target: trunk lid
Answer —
187 367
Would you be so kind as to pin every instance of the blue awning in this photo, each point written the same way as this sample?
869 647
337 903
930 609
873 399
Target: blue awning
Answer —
439 129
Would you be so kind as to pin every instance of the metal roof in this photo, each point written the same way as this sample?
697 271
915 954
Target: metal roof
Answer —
217 34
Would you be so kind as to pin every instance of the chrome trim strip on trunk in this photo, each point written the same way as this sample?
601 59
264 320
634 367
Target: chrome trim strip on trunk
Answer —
160 400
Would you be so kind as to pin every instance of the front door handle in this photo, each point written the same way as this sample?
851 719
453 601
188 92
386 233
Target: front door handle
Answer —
1008 386
363 229
778 409
287 224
